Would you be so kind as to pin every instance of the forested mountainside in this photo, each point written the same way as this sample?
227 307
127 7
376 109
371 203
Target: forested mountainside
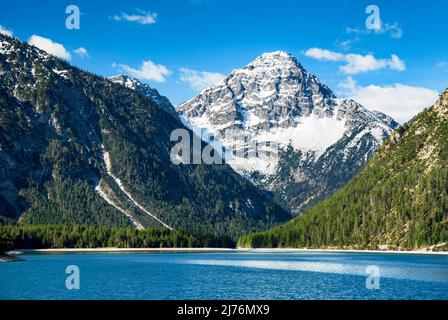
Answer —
76 148
398 201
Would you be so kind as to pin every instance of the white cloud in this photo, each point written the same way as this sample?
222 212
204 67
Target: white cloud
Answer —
5 31
323 54
200 80
395 63
82 52
394 30
49 46
400 101
148 71
356 63
144 17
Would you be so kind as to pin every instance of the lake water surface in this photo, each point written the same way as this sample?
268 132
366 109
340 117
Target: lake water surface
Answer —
233 275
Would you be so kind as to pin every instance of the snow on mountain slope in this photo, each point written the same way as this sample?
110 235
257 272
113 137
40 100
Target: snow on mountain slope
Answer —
103 194
275 103
106 159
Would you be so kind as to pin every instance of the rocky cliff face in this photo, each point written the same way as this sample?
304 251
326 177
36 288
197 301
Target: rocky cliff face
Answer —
277 106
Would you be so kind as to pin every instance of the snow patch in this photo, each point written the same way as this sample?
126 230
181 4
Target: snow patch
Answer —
61 73
103 195
107 162
311 133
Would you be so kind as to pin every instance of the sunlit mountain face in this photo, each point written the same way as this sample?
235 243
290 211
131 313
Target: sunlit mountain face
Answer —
273 102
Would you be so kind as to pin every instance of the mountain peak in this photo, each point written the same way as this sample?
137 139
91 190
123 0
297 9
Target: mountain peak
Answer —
279 55
275 102
126 81
276 59
274 82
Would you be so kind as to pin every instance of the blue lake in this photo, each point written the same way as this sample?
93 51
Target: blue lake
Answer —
234 275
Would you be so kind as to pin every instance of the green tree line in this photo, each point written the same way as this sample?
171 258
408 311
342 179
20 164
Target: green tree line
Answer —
86 236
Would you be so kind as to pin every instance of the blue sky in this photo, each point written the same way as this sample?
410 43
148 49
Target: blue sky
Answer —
188 44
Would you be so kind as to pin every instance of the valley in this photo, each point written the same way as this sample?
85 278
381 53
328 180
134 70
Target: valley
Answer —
99 152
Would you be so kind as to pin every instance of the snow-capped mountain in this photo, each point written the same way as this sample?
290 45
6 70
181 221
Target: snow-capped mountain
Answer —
145 90
321 141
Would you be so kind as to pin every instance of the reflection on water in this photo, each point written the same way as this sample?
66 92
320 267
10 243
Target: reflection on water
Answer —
403 271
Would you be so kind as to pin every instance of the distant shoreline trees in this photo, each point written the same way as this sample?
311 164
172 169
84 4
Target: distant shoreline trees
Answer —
85 236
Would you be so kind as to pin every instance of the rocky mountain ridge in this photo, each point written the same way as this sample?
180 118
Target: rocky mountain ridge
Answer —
321 141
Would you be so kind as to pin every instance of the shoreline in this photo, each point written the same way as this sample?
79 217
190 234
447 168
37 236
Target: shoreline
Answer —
305 250
211 250
116 250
